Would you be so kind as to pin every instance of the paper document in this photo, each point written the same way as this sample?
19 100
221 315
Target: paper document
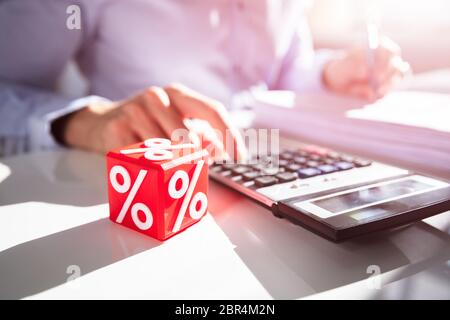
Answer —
411 108
406 127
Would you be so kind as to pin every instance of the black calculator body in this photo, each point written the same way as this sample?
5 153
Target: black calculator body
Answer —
335 195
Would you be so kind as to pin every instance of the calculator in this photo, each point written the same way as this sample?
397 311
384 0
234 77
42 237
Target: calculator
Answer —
336 195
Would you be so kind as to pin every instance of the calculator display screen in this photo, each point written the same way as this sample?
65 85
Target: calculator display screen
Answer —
349 212
376 194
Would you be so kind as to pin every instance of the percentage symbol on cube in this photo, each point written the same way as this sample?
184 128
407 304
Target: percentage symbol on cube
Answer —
158 149
125 186
186 189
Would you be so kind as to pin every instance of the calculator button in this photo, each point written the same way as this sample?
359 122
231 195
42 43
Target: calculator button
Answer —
265 181
333 155
293 167
342 165
315 157
308 172
283 162
286 176
329 161
226 173
326 168
239 170
300 160
216 168
312 163
302 153
248 184
362 162
236 178
228 166
248 176
347 158
258 167
286 156
272 171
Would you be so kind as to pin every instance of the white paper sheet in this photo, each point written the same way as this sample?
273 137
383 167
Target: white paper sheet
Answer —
411 108
408 128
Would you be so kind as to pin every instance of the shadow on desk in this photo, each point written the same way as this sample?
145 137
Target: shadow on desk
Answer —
291 262
37 265
66 177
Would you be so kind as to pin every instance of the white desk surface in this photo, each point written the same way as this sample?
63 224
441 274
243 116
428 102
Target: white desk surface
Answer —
54 214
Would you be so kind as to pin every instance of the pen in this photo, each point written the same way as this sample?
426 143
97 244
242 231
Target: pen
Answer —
373 40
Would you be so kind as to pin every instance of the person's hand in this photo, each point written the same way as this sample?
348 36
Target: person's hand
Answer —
156 112
351 73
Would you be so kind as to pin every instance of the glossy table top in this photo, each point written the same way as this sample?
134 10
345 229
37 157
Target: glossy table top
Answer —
54 227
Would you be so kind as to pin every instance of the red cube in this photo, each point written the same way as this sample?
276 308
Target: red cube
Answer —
156 187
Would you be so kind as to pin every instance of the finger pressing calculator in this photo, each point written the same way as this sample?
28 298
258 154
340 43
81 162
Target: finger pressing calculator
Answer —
336 195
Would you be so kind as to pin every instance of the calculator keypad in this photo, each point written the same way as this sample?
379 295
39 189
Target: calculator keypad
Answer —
307 162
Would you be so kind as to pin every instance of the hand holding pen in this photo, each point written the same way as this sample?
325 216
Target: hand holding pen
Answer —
367 72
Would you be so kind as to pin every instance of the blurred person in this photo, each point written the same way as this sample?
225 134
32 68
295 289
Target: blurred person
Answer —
131 51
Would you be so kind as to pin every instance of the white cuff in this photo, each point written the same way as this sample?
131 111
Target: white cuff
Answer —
39 124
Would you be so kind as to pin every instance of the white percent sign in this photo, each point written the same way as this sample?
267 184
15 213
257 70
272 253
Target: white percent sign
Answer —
158 149
186 189
125 186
